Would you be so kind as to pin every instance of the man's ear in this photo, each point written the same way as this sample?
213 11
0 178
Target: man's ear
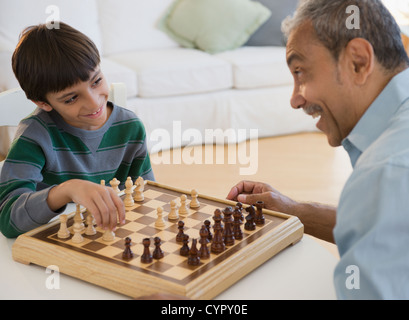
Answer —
361 59
43 105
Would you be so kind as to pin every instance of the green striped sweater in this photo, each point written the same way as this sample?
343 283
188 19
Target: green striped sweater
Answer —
47 151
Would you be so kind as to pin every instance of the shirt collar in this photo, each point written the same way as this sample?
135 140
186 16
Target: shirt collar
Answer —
376 118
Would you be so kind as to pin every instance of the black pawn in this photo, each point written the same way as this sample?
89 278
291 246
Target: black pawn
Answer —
181 227
184 251
204 252
127 254
146 257
193 259
157 253
207 224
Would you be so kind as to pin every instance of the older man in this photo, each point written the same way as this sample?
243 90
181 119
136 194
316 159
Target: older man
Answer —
356 80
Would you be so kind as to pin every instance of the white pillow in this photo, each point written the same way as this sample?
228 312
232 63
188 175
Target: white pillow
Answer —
16 15
129 25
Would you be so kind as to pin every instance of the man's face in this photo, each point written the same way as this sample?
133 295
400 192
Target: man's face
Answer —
320 87
83 105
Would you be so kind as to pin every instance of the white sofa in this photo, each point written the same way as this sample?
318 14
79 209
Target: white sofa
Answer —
169 87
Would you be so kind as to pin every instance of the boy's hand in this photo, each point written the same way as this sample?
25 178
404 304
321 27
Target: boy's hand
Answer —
102 202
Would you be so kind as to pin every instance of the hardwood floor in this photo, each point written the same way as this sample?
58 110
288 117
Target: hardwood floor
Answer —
302 166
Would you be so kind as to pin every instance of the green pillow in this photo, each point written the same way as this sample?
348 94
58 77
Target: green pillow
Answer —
213 25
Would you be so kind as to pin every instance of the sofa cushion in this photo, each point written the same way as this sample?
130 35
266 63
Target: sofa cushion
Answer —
269 34
213 25
129 25
258 67
176 71
115 72
17 15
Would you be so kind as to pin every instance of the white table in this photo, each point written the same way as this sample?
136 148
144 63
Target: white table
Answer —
302 271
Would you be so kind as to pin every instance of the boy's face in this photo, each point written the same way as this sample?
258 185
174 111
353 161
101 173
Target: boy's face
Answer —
83 105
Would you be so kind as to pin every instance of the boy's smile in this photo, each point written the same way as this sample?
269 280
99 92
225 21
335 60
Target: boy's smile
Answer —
83 105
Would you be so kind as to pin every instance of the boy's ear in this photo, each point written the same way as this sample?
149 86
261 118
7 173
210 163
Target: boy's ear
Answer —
43 105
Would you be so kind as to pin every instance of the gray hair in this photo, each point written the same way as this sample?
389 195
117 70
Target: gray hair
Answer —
376 25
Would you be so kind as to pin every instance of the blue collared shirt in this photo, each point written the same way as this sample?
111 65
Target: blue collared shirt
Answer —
372 228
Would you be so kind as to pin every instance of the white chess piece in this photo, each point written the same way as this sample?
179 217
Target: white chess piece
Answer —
77 237
160 223
63 233
108 235
173 214
183 210
194 203
90 230
139 187
128 201
115 185
78 217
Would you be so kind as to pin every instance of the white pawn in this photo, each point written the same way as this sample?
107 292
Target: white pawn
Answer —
183 210
108 235
128 201
90 230
77 237
63 233
160 223
173 214
194 203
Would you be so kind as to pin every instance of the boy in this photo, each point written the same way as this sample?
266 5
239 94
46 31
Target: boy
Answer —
72 141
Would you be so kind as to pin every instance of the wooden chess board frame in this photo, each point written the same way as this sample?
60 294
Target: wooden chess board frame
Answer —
41 247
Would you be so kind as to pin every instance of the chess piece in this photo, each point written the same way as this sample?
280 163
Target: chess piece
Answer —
157 253
127 254
194 203
128 201
183 210
77 237
238 218
207 224
217 245
90 230
63 232
259 218
193 259
173 214
250 224
139 187
204 252
160 223
78 217
115 185
108 235
146 257
228 227
184 251
181 227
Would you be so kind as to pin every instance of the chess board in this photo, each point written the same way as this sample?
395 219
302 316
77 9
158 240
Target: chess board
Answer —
101 263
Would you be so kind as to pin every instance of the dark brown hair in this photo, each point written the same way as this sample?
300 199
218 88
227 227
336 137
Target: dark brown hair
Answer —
51 60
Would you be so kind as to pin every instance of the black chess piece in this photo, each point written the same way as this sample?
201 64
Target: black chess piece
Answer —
184 251
146 257
127 254
157 253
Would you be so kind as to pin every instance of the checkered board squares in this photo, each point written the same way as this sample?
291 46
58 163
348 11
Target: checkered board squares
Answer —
140 224
171 273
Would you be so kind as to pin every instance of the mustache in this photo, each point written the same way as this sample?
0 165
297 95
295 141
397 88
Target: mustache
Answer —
312 108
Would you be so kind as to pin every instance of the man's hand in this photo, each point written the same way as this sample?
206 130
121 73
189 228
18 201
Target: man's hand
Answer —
102 202
250 192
